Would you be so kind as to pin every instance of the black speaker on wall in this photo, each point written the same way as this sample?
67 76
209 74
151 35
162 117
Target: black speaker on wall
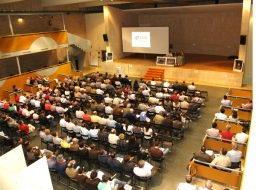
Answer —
105 38
242 39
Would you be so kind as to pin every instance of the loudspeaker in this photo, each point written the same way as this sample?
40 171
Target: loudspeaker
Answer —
105 38
242 39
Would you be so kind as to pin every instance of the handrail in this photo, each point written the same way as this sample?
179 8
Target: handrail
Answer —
34 71
27 34
217 166
221 139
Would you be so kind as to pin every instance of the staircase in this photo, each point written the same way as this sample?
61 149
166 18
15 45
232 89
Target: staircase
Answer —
154 73
79 42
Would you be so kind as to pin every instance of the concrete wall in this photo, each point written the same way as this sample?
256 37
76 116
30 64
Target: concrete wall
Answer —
95 30
212 33
74 23
114 20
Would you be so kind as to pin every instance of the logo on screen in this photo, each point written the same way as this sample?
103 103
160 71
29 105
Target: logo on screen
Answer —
140 39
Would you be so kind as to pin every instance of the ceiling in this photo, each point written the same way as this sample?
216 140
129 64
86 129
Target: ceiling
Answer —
91 6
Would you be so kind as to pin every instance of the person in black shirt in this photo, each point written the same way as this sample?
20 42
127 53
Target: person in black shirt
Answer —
127 164
114 164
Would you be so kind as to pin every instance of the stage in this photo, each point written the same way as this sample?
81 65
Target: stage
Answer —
201 69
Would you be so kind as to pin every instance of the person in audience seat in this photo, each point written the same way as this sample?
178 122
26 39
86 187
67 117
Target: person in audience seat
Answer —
222 160
71 170
93 181
208 186
141 171
93 152
81 177
221 115
248 105
94 117
203 156
187 184
225 102
235 156
213 131
227 134
74 146
242 137
157 152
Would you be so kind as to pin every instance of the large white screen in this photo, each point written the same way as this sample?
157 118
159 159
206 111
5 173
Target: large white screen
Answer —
146 40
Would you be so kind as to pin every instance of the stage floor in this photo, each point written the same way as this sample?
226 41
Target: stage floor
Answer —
192 61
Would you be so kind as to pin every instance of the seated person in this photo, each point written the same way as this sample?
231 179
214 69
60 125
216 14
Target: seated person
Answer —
93 131
71 170
221 115
242 137
203 156
74 146
93 152
222 160
93 181
157 152
114 163
235 156
225 102
112 137
61 165
103 158
208 186
127 164
51 160
233 117
178 127
187 184
213 131
141 171
64 143
133 145
249 105
81 177
227 134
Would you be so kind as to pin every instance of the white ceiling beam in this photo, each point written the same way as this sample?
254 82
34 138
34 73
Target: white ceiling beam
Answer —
9 1
46 3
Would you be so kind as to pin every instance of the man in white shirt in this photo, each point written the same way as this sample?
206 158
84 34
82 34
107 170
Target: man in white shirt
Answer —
208 186
94 131
146 91
235 156
183 96
23 99
79 113
109 109
166 84
159 94
225 102
221 115
108 99
62 122
160 108
242 137
191 87
99 91
153 82
141 171
112 137
131 96
117 101
110 122
187 184
69 124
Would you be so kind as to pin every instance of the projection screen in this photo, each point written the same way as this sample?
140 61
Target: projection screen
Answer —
153 40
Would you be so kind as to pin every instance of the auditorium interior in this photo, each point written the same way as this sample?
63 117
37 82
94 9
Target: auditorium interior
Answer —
56 40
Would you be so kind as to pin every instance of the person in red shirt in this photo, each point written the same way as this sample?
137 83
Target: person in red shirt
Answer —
23 127
47 96
174 96
47 106
227 134
86 118
17 98
6 105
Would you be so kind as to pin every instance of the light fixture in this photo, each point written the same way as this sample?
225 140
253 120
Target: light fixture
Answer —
20 19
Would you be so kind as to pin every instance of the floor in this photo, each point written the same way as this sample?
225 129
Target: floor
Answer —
169 177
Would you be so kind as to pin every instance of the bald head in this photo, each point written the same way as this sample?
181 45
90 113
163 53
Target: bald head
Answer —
208 184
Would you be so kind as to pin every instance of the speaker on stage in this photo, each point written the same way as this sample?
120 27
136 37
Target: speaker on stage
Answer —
105 38
242 39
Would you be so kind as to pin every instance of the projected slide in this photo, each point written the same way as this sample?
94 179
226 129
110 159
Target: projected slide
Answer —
141 39
146 40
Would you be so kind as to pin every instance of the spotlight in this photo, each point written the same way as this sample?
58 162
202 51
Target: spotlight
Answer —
20 19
